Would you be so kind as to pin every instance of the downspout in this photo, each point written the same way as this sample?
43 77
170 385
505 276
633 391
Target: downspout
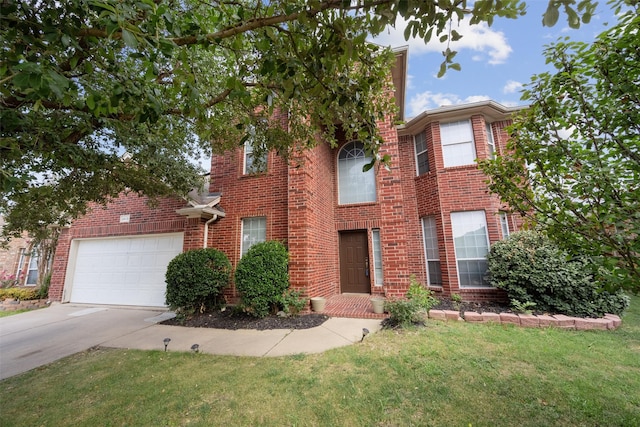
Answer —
206 230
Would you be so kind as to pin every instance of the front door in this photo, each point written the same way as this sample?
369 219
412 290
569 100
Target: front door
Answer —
354 262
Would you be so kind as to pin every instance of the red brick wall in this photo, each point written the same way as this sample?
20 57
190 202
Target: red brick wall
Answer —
312 240
300 201
105 222
442 191
244 196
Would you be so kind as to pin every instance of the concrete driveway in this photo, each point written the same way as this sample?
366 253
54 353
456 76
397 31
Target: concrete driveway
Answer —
39 337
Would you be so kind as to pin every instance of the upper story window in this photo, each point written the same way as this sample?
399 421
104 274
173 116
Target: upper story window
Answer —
422 161
491 145
457 143
354 185
254 162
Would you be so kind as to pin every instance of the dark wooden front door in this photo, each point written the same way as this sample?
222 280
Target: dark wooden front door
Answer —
354 262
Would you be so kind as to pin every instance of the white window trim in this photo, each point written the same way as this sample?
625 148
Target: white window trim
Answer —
33 257
504 224
426 252
378 279
21 258
248 149
242 225
486 234
425 151
370 171
459 143
491 143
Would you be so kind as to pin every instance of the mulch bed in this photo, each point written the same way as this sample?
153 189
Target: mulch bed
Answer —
478 307
234 320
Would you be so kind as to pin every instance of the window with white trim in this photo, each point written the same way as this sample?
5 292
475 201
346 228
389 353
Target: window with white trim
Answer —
457 143
252 163
422 160
471 243
432 255
491 145
377 258
21 258
354 185
254 230
504 224
32 271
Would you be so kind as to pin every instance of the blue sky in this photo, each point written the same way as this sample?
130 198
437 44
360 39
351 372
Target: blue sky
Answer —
495 60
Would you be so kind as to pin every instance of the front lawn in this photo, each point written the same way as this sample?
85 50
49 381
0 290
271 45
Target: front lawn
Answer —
448 374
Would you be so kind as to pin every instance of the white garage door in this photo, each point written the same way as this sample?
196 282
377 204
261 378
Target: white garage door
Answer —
123 271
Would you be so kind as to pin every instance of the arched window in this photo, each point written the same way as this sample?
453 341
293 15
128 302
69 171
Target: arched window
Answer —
355 186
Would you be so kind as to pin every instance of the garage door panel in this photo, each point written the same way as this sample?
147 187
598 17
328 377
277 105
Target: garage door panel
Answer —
124 271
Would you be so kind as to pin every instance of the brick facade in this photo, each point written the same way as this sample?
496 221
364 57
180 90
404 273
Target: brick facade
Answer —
299 198
15 257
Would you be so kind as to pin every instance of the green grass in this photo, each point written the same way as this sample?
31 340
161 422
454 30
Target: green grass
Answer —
11 313
448 374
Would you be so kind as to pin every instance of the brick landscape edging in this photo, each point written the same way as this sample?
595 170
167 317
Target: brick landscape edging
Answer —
10 304
608 322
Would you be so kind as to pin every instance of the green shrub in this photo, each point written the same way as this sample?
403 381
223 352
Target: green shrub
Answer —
412 309
535 271
195 280
22 294
293 302
43 289
262 278
421 295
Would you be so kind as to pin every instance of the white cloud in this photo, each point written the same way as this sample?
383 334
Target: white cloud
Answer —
488 45
429 100
512 86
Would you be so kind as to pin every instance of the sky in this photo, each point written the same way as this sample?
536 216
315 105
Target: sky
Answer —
496 61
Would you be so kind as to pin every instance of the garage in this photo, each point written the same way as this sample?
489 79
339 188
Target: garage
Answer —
122 271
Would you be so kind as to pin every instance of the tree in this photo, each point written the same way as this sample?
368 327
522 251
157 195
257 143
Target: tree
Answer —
573 162
85 81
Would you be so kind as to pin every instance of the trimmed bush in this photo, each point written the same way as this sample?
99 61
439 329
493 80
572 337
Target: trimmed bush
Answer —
262 277
21 294
534 270
195 280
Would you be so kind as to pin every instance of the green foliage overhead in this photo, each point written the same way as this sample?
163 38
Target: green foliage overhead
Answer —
573 163
262 277
84 81
538 274
195 280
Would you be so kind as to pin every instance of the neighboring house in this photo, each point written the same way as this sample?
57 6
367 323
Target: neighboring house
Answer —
19 260
428 215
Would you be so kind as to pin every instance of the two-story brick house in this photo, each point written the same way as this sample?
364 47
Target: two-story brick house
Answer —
428 214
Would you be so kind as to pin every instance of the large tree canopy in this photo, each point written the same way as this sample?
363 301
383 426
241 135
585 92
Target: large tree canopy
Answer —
84 81
573 164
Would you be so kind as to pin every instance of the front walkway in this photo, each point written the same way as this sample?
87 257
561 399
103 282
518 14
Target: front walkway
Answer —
355 306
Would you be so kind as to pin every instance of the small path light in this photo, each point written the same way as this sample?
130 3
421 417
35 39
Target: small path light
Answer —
365 332
195 348
166 342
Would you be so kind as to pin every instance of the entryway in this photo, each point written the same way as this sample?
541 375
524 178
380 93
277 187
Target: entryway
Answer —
354 262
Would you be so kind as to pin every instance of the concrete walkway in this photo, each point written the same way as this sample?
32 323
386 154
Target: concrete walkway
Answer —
39 337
